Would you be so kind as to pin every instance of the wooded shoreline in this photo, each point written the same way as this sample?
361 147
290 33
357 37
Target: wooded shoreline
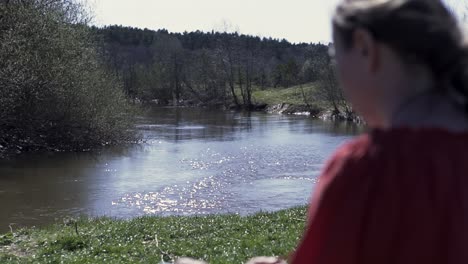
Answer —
69 86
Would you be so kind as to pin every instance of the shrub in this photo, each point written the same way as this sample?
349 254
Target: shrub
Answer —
54 92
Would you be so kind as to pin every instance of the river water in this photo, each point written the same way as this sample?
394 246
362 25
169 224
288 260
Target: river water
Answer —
193 161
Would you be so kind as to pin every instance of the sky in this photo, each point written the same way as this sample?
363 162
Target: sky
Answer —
295 20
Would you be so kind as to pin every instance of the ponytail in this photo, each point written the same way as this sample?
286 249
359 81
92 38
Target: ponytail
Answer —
458 81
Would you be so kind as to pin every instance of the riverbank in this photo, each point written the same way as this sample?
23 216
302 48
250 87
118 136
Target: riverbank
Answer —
216 239
12 149
320 113
290 101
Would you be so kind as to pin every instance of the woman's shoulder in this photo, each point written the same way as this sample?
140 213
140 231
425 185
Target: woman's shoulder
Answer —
353 151
399 145
399 138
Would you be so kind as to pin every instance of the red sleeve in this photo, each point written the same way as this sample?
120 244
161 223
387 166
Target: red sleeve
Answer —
337 209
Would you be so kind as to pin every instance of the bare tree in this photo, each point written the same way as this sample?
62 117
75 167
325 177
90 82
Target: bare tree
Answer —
246 71
228 52
201 77
328 89
169 56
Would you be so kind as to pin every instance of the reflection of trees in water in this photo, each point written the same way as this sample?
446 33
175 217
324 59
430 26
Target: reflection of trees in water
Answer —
336 128
194 123
346 128
41 188
176 123
245 123
213 124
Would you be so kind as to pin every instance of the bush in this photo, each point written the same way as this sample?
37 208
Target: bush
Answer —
54 93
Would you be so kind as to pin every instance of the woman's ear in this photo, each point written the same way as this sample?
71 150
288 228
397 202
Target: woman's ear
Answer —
367 49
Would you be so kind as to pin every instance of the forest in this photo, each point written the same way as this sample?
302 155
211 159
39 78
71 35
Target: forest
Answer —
208 68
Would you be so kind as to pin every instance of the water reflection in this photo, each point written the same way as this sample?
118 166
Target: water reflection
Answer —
178 124
193 161
38 188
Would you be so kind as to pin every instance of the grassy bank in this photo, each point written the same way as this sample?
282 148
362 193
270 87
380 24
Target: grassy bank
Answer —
291 95
217 239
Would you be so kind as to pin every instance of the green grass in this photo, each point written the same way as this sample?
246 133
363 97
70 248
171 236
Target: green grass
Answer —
291 95
217 239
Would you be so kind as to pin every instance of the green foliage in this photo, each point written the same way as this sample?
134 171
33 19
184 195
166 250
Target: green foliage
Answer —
217 239
291 95
6 239
286 74
66 243
54 92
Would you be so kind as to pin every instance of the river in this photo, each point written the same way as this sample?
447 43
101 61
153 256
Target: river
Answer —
192 161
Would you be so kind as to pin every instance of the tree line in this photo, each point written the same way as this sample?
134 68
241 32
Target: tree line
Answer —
211 68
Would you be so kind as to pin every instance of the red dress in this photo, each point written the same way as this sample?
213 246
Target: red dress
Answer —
398 196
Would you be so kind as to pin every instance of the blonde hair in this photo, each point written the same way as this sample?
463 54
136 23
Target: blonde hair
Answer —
421 31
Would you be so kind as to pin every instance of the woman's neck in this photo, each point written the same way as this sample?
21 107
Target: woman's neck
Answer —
411 99
430 110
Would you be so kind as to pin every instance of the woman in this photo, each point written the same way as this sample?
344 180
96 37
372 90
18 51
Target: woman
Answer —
398 194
